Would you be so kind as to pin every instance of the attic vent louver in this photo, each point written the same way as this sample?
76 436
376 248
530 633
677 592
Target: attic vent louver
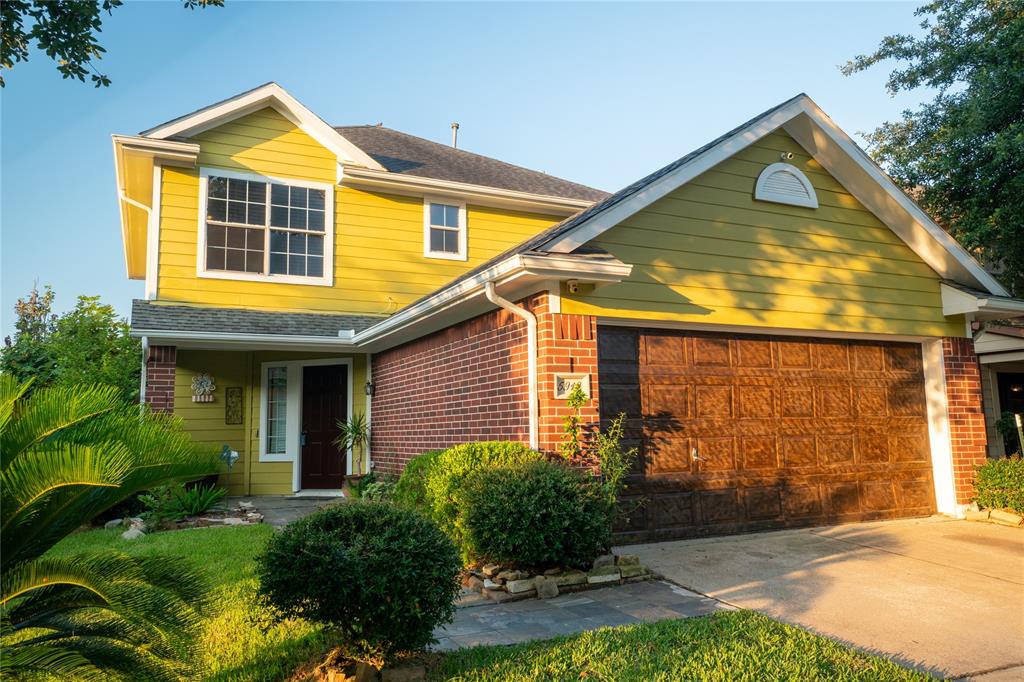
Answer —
783 183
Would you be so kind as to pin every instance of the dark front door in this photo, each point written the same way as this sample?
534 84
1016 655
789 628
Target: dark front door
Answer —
324 391
741 433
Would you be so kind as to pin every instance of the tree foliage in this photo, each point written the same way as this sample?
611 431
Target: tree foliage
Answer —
89 344
65 30
67 454
961 155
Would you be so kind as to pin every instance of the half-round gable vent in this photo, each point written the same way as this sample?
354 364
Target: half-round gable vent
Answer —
783 183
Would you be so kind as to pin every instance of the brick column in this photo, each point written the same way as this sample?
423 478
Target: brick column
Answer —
566 344
160 378
966 416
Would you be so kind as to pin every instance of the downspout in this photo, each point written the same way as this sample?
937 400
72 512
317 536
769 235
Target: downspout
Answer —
142 379
531 352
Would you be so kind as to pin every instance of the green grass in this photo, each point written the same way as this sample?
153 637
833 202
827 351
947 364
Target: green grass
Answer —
737 645
238 644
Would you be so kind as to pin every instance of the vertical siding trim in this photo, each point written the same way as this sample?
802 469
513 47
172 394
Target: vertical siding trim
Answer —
938 427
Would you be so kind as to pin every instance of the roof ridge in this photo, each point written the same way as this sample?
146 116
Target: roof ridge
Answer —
466 152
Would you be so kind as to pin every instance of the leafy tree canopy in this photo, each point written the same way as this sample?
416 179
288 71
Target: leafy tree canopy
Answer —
66 30
89 344
961 155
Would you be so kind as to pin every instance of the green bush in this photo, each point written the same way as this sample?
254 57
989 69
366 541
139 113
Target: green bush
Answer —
447 473
381 575
999 484
176 501
535 514
382 489
411 487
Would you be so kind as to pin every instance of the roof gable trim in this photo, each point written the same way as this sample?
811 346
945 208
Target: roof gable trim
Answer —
907 220
269 95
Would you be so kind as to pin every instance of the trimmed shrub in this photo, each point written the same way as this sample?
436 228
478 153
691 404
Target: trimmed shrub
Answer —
411 487
381 575
446 475
999 484
535 514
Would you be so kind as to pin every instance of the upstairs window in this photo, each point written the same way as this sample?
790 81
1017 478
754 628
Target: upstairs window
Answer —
444 230
258 228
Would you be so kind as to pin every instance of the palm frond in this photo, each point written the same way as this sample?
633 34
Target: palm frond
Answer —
10 391
89 658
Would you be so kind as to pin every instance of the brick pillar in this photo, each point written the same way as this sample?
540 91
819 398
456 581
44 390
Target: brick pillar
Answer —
566 344
160 378
966 416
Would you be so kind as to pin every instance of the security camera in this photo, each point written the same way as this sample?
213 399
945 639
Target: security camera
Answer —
787 156
573 285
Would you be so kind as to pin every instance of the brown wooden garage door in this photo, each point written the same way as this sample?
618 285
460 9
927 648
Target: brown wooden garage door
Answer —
742 432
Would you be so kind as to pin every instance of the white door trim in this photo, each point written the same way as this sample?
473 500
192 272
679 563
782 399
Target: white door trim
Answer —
938 428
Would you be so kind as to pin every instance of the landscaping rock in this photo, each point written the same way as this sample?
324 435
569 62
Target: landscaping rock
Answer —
474 583
501 596
604 560
409 673
1006 518
627 560
246 505
233 521
507 576
133 534
571 578
136 521
604 574
491 570
553 571
113 523
516 586
547 588
254 517
974 515
632 571
489 584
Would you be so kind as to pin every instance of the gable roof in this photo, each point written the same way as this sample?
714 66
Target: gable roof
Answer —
823 140
406 154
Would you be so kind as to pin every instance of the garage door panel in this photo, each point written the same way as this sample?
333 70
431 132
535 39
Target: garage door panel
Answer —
743 432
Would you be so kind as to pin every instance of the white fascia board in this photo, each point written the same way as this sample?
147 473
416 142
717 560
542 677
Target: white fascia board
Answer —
830 146
668 183
275 96
957 302
159 335
555 267
491 196
902 215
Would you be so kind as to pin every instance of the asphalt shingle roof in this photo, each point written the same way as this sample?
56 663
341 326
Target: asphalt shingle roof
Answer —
406 154
153 317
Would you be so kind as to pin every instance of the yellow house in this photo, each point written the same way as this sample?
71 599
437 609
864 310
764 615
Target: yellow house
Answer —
787 333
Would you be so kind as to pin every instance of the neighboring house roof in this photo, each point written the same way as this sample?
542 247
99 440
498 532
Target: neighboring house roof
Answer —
148 316
1007 331
407 154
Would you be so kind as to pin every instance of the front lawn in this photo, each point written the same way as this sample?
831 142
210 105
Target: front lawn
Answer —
237 643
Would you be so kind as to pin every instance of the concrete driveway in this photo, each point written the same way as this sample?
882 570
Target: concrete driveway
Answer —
942 595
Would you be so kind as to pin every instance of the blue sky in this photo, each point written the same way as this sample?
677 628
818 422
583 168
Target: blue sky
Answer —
597 93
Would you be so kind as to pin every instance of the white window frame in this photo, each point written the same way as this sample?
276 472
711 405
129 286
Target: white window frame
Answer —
463 232
293 419
326 280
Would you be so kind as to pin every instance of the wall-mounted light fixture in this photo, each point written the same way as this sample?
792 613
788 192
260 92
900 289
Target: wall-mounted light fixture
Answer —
370 388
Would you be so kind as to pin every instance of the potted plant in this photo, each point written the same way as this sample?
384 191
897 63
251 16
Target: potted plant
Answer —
354 434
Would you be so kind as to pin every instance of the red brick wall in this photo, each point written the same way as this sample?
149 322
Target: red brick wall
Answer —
966 417
469 382
160 378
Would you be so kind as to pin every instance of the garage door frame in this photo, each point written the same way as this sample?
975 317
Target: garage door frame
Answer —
940 444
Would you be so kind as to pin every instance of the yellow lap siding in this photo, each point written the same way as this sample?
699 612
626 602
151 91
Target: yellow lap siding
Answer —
710 253
379 264
205 421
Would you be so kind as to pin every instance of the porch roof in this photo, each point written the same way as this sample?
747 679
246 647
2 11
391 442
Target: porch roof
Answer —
149 318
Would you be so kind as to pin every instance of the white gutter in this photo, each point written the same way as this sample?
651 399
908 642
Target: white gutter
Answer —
344 343
531 352
142 379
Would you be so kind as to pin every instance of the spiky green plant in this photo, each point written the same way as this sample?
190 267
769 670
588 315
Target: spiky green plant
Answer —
354 433
67 454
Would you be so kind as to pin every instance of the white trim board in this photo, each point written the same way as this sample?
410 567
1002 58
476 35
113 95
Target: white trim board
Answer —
293 428
841 157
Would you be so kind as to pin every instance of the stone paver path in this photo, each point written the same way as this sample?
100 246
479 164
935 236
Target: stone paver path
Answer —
280 510
514 622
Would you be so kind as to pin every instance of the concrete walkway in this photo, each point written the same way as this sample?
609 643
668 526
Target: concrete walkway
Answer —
479 623
942 595
280 510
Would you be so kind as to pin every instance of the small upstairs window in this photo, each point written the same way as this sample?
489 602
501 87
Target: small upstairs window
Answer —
784 183
444 230
257 228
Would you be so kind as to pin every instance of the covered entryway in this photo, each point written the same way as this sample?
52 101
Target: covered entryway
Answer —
747 432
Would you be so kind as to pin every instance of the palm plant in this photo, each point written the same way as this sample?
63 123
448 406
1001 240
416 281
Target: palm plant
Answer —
354 434
67 454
